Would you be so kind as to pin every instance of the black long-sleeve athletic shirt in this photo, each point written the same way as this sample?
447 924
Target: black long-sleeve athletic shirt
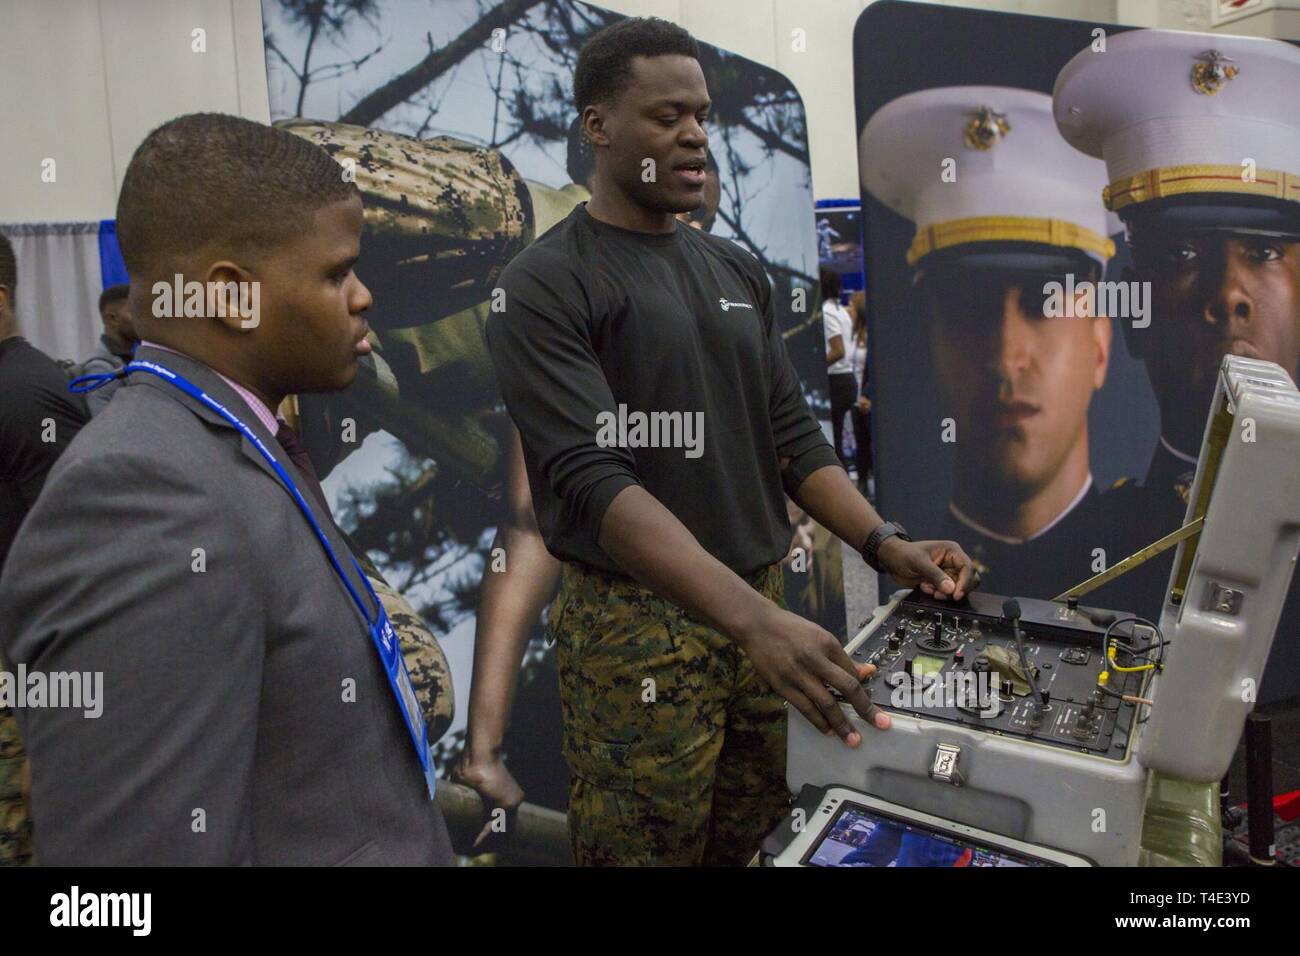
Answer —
38 420
600 326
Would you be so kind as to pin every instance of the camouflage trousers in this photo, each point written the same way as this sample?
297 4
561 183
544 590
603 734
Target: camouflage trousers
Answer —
15 824
675 743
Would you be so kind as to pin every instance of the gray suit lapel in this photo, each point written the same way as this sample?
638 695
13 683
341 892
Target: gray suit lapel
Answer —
208 381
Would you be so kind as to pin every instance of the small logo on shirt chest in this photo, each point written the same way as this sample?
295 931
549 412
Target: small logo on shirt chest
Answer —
727 305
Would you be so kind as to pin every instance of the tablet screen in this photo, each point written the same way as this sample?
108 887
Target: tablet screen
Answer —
858 836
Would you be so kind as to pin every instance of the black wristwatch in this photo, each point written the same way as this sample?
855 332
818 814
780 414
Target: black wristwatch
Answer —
886 530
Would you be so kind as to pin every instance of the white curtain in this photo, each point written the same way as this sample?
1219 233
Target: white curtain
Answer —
59 281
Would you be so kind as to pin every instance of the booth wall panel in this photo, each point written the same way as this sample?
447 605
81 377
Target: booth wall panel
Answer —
87 79
54 107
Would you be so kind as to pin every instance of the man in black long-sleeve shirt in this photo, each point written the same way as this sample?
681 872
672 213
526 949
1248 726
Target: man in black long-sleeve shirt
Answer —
680 324
661 423
38 418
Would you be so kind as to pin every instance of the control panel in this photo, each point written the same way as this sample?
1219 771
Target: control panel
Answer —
1019 667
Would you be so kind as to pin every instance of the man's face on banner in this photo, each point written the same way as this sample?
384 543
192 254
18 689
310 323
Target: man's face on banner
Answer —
1214 295
1018 382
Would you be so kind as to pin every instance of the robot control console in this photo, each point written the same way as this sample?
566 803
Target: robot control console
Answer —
961 664
1056 726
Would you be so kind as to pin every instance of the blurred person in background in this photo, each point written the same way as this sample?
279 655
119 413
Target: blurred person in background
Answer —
838 327
116 345
38 419
862 408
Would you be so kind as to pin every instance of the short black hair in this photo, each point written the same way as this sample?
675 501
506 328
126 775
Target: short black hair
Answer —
604 66
114 293
208 177
8 264
831 283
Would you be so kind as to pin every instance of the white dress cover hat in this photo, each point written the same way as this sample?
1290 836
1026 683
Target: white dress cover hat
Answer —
1202 127
974 165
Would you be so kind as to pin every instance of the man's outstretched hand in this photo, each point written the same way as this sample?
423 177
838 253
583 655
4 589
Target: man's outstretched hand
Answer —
802 662
939 568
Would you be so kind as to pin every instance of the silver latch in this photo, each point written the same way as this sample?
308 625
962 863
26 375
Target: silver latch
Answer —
1221 599
944 767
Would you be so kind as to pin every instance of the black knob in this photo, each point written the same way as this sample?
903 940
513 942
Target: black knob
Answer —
894 642
1007 687
1044 695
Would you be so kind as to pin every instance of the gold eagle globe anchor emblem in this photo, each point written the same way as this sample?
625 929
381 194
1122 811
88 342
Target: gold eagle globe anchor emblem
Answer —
986 129
1213 72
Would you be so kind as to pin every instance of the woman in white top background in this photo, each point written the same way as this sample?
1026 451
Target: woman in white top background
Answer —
838 326
862 406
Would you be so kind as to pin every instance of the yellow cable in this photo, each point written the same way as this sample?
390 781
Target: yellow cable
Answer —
1110 653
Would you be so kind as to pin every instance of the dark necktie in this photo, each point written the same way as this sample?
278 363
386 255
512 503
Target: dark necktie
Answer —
293 447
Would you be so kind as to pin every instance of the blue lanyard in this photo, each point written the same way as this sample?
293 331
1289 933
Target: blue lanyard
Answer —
380 628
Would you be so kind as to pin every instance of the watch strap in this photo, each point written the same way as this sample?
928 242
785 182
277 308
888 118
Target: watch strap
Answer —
882 533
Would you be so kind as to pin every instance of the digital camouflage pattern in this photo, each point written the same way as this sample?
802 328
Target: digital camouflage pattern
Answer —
676 745
15 824
442 219
425 661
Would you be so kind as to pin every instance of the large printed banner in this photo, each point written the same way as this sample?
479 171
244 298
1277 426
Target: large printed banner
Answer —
461 121
1067 225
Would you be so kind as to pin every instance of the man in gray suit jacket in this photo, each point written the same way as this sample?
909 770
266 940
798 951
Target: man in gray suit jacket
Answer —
246 716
